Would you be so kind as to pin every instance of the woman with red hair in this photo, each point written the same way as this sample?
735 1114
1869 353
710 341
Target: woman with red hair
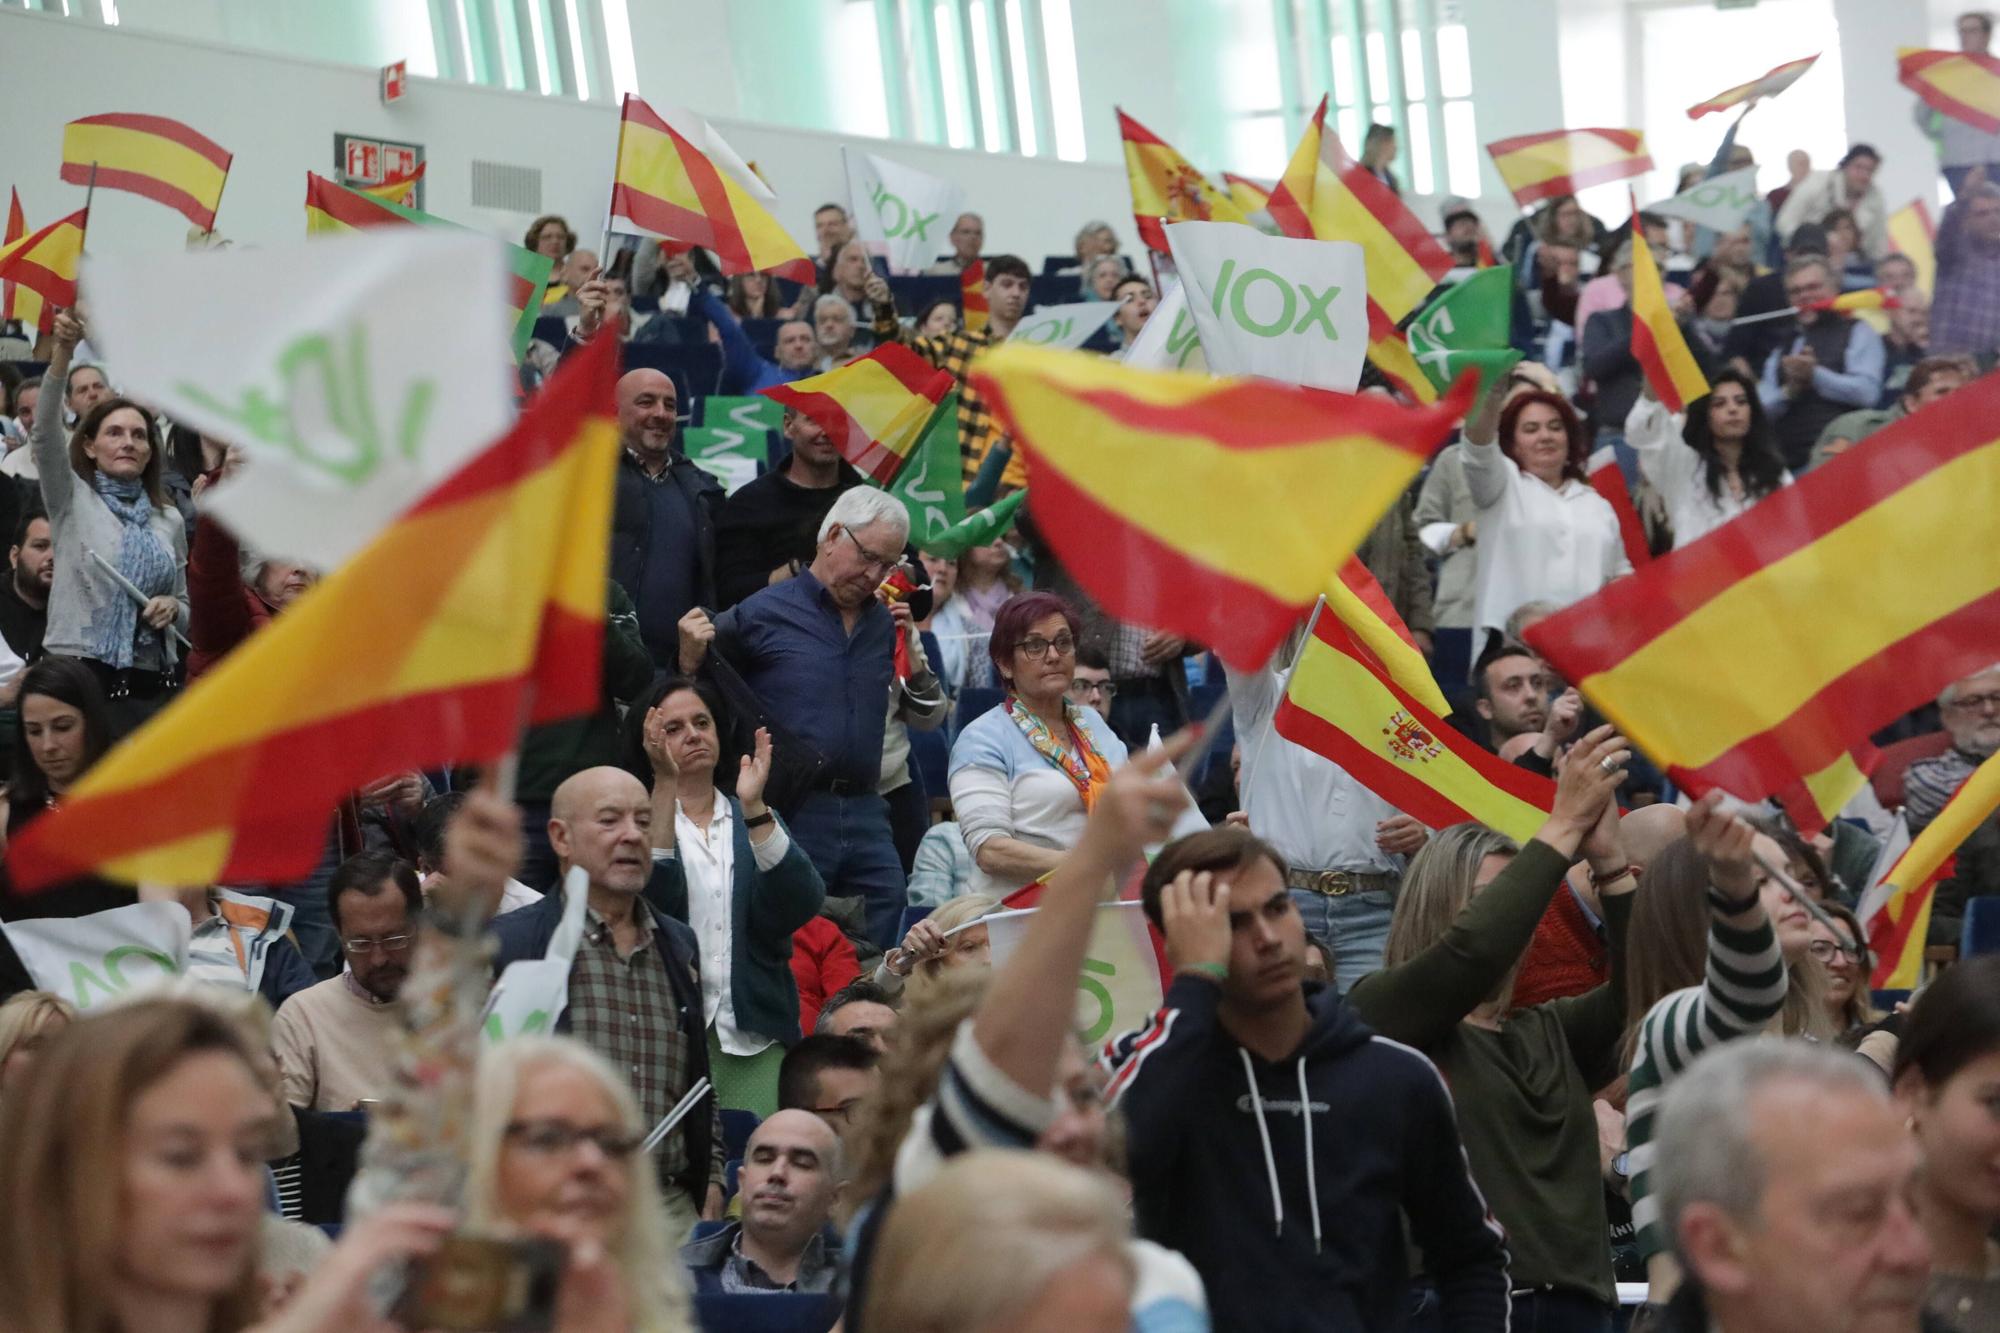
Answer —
1545 535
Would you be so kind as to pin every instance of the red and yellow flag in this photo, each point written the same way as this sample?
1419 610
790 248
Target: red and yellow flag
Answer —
874 409
332 208
1543 166
1816 800
1327 195
1218 509
1701 657
1868 298
401 190
1657 342
667 186
972 295
1913 233
1896 913
1608 480
162 159
1769 84
1166 187
1958 84
480 608
1249 195
1357 600
1342 706
45 261
17 301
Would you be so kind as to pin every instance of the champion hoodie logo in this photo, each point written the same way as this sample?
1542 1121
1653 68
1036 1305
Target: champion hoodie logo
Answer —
1244 1104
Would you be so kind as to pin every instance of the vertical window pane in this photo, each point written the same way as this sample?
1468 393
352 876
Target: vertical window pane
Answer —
1343 71
1350 130
1461 140
618 36
1422 177
1378 63
577 58
1454 61
989 76
951 76
858 54
1024 86
1065 93
507 36
1413 63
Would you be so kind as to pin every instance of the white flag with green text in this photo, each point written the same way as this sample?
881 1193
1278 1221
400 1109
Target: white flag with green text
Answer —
901 214
93 960
1120 985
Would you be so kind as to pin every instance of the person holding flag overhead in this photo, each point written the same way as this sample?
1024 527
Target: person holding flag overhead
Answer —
1712 462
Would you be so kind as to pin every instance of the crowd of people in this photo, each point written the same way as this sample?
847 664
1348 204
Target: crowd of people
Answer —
1398 1076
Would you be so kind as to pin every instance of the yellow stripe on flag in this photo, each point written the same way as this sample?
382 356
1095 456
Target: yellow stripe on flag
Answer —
1969 807
652 165
1911 234
1671 369
1400 658
1835 785
1397 282
116 148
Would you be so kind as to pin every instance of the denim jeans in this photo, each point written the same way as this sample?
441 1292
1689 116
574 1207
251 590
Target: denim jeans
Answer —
1353 926
849 842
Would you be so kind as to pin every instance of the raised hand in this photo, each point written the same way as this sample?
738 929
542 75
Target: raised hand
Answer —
1140 803
1194 916
753 773
1725 843
1586 777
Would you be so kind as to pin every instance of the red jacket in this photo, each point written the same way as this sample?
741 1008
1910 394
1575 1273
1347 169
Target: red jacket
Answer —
822 962
1564 958
223 611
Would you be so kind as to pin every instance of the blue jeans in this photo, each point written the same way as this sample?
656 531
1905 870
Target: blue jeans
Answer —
1353 926
849 842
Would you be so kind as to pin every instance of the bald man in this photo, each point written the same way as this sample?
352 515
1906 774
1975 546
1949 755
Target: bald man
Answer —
789 1180
663 528
1569 954
633 993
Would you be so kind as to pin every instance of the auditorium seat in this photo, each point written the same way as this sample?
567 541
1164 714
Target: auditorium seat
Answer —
911 915
737 1127
775 1312
1980 932
695 368
1895 762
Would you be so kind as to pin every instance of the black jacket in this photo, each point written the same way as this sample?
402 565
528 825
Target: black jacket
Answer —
631 543
329 1153
525 933
1226 1169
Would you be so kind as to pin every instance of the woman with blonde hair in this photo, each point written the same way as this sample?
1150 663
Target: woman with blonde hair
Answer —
950 938
1522 1079
1001 1240
28 1021
555 1148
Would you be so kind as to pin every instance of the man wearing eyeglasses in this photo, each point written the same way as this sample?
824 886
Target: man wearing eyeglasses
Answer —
818 651
1831 364
334 1041
1970 709
1092 686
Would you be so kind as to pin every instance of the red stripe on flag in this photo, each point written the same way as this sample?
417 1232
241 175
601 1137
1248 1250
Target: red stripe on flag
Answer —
51 286
1582 180
1910 69
1608 480
349 207
1240 416
729 243
568 398
150 187
1889 938
1132 131
1628 140
1646 351
184 135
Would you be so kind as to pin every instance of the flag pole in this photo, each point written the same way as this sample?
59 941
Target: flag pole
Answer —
209 232
89 193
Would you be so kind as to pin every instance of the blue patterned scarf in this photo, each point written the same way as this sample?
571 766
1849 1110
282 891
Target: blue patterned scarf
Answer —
115 629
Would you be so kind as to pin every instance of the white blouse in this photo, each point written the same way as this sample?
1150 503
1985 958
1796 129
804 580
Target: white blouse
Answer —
1676 471
1536 542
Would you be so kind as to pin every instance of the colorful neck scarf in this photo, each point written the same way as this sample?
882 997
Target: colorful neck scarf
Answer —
1080 763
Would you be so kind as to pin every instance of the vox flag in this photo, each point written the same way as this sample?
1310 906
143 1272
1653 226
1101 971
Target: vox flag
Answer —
900 213
1120 985
1288 310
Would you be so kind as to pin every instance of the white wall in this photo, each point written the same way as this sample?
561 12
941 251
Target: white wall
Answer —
1878 107
279 116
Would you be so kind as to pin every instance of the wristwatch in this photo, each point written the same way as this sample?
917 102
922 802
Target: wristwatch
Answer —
758 821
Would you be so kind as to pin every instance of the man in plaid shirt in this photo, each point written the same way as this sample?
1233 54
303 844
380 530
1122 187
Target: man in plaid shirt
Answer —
634 997
1007 301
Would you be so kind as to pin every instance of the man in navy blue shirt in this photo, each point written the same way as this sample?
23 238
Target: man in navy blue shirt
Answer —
819 651
663 526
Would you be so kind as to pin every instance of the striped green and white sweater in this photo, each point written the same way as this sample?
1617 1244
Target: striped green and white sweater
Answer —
1743 991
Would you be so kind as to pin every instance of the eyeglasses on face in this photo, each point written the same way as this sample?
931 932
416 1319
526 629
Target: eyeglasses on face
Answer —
1037 646
1974 703
388 944
1081 688
1826 950
880 564
553 1137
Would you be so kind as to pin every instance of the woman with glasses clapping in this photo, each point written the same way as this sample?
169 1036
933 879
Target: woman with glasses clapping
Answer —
1024 775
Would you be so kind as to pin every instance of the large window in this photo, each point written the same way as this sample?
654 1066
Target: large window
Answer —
994 74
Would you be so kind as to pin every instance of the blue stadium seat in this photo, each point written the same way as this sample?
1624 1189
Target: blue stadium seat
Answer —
695 368
703 1230
1981 931
915 291
1054 291
737 1127
731 1169
930 759
911 915
973 702
763 332
551 330
777 1312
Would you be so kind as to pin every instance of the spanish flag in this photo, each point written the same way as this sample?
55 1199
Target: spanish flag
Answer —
1958 84
1896 911
669 183
1166 187
1249 195
1608 480
1559 162
1216 508
161 159
1705 659
1344 707
1913 233
45 261
1657 343
402 190
17 301
1816 801
1357 600
479 610
972 295
1868 298
874 409
1769 84
332 208
1326 195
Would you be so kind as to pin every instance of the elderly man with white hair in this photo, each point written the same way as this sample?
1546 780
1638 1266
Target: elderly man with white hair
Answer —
1784 1177
1970 709
818 650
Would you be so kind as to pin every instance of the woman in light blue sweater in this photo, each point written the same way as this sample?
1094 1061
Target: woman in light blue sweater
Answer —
114 531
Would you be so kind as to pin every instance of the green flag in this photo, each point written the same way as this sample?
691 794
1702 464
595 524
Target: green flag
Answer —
988 525
929 484
1467 329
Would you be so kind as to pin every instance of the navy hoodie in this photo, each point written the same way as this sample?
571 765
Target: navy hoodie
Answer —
1295 1222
